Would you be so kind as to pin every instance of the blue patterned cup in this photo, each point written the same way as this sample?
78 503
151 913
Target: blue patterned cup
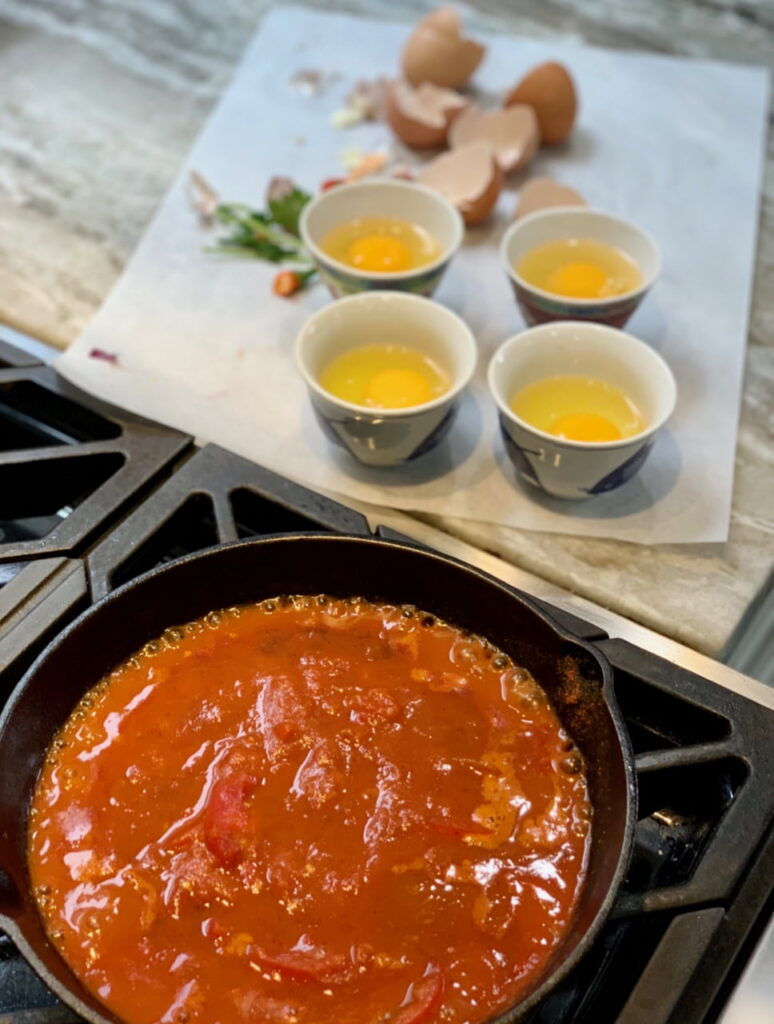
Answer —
562 222
385 437
381 198
579 469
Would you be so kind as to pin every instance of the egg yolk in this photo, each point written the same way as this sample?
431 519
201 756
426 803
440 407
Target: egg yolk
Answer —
578 408
398 389
381 245
586 426
385 376
580 280
380 253
580 268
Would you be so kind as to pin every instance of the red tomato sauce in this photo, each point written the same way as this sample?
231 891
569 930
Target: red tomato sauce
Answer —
311 810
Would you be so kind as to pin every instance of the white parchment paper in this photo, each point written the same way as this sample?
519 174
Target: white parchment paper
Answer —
675 145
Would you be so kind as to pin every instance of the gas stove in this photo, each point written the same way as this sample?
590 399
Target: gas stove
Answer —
91 497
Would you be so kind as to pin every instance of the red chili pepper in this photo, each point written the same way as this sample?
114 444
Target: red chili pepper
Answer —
226 821
331 183
457 830
426 999
308 965
287 283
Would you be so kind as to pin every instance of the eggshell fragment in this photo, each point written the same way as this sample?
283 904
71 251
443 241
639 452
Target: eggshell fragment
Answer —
512 133
542 193
437 52
366 101
550 91
421 116
469 177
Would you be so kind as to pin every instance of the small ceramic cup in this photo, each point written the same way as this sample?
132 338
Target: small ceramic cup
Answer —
539 306
579 469
385 437
381 198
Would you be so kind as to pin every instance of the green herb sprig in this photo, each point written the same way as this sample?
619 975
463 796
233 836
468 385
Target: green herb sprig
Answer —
271 234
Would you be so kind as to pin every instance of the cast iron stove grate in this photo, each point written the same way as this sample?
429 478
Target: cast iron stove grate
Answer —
68 462
700 877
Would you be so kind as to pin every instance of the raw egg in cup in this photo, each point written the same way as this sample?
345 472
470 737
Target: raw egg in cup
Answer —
580 405
381 235
384 372
573 263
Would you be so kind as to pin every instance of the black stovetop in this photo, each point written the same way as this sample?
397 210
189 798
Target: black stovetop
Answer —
91 497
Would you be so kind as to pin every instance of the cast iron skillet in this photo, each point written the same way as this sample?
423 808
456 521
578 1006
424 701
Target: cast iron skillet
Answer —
576 677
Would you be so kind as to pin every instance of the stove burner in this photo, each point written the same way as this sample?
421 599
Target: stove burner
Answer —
699 882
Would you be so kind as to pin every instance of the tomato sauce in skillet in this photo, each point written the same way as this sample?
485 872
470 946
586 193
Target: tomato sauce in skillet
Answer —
311 810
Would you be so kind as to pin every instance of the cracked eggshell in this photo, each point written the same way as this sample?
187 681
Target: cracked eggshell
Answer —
542 193
421 116
437 52
550 91
512 133
469 177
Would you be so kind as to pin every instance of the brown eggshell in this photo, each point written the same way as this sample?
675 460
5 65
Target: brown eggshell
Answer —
512 133
469 177
421 116
542 193
550 91
437 52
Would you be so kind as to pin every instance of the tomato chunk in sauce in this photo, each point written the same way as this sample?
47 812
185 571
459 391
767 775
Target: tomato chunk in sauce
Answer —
311 810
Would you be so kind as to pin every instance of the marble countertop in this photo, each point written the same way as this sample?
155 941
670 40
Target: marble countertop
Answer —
99 104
